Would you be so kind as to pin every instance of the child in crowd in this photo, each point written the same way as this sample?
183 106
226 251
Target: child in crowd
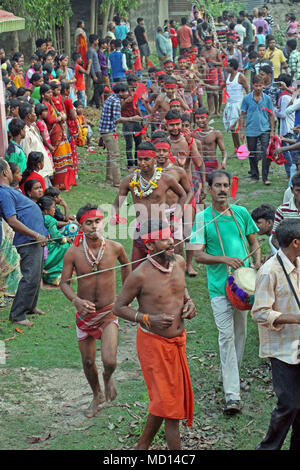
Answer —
84 126
71 124
35 163
41 114
17 75
137 66
260 38
53 264
15 153
80 72
33 189
65 222
17 175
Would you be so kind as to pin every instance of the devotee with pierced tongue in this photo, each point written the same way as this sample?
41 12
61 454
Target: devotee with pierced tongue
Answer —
159 286
162 102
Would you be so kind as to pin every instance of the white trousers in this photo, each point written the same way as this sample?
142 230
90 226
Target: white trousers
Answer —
232 327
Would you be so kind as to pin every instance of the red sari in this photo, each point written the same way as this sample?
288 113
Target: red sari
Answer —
64 175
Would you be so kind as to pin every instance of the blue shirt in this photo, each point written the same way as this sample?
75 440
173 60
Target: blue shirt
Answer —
121 31
13 202
257 118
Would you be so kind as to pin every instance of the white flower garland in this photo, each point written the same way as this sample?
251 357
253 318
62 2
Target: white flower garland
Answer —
137 186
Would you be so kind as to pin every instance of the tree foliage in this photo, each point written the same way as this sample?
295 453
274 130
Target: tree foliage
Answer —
122 7
40 15
216 8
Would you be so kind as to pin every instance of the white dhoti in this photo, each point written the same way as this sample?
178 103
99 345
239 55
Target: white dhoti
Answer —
231 115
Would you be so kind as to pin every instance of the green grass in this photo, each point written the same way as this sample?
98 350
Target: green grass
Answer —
43 391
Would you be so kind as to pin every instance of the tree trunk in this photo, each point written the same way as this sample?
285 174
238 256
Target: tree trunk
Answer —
93 16
105 22
112 12
67 35
97 6
15 41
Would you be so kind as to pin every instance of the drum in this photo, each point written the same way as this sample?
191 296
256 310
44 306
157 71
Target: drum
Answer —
240 288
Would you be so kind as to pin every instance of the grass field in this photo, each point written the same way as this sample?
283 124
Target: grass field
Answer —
43 391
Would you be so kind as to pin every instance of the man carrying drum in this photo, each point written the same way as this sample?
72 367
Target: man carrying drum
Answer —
220 236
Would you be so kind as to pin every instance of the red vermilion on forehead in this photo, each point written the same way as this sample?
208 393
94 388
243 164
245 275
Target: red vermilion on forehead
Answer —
146 153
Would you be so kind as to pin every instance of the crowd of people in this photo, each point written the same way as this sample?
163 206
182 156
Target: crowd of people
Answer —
205 67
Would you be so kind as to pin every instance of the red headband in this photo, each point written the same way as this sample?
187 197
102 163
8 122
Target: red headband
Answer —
171 121
162 234
162 145
160 72
169 62
87 215
146 153
175 102
201 114
90 215
181 60
170 85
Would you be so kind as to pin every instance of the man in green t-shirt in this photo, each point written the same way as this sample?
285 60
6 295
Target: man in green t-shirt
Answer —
231 323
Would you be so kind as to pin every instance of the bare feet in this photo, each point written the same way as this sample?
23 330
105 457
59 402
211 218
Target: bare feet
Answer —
110 390
191 272
93 408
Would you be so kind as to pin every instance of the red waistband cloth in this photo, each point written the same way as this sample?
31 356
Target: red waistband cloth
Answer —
210 165
166 373
93 324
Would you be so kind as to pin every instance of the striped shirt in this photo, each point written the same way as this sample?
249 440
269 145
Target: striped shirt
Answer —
285 211
111 112
273 298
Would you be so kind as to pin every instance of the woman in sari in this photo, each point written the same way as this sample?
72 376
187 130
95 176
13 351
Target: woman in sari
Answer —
71 123
65 74
10 273
53 264
81 45
64 176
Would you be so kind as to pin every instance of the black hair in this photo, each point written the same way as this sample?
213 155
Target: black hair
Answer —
260 29
33 159
201 110
183 20
52 191
39 108
158 135
287 231
172 114
152 225
39 42
286 78
185 117
25 109
257 79
15 126
22 90
45 203
118 43
84 209
139 19
44 88
265 211
28 185
64 87
292 44
233 63
152 69
132 78
77 103
120 86
252 55
14 167
92 38
125 42
215 173
267 69
75 56
146 146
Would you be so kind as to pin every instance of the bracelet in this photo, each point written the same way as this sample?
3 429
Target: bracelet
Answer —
135 318
146 320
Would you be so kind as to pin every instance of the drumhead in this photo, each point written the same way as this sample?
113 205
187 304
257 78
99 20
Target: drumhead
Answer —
245 279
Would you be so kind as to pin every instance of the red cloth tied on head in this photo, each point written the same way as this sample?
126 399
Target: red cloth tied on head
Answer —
168 62
94 213
171 121
159 72
146 153
182 60
162 145
170 85
156 235
201 114
175 102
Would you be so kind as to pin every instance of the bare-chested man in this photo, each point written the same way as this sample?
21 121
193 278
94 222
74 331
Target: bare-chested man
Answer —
159 286
163 150
188 79
94 299
211 139
162 102
185 152
148 187
214 62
